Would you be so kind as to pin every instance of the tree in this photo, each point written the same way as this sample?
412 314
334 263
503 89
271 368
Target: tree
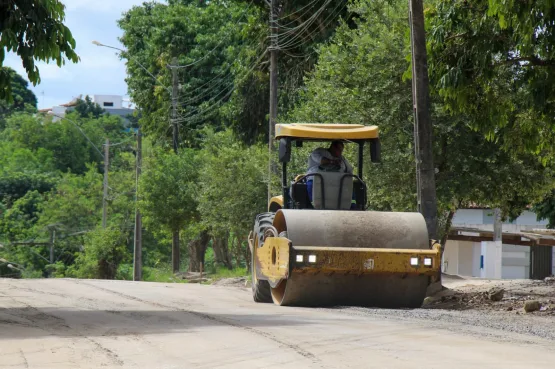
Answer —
233 189
103 252
168 195
359 78
65 140
88 109
205 39
23 99
34 30
493 60
546 209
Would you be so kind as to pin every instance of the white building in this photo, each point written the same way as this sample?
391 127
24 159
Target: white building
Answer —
486 259
112 104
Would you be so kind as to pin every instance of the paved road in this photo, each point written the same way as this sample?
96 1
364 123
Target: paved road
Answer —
90 324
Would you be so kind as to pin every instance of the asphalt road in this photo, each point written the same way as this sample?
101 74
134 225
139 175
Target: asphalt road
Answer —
91 324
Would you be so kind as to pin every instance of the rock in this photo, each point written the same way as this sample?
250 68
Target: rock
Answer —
510 308
429 300
496 294
532 305
549 280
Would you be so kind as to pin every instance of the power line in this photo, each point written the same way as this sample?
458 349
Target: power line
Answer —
251 67
292 41
190 117
221 82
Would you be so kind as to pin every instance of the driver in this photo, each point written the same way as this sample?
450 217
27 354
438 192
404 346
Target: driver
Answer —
330 159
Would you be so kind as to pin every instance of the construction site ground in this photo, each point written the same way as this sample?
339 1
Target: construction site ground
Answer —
66 323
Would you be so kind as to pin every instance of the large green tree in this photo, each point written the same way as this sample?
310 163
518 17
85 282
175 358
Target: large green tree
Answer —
493 61
23 99
169 195
233 183
361 78
34 30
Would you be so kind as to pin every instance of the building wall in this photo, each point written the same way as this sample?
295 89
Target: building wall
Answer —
451 257
464 258
105 100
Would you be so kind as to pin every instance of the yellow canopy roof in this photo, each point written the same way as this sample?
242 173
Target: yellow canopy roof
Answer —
319 131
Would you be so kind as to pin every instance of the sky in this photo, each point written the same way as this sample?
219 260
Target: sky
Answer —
100 71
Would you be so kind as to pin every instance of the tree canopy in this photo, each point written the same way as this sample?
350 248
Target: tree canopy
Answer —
34 30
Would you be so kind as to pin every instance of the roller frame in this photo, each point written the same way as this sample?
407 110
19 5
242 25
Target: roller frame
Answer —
340 260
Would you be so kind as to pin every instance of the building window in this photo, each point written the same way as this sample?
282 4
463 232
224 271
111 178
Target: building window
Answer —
108 104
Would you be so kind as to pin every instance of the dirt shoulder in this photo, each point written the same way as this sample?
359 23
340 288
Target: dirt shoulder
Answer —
509 296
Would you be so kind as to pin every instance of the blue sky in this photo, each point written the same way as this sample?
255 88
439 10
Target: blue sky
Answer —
100 71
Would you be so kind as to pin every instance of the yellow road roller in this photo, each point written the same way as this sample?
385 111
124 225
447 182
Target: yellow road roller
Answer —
324 248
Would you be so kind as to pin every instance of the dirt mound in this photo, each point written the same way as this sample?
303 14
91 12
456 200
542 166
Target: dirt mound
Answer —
496 295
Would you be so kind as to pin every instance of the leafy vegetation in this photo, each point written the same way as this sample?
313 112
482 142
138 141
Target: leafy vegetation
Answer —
339 61
34 30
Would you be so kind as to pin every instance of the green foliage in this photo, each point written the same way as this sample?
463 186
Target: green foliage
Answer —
61 143
34 30
233 184
88 109
492 60
75 203
23 99
546 209
359 79
169 190
16 186
206 37
104 251
221 273
18 221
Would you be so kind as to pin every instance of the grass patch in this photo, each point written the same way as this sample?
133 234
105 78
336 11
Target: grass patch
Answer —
162 275
222 273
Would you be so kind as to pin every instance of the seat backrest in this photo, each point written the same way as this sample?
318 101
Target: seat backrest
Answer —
299 194
332 184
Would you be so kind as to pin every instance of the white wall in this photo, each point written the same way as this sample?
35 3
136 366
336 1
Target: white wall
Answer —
493 256
468 216
116 100
450 263
516 262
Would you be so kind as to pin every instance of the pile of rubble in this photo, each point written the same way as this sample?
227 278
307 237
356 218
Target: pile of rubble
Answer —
517 296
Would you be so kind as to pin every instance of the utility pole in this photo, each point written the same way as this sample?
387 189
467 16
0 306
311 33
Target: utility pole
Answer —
273 89
138 247
52 240
425 171
175 91
105 196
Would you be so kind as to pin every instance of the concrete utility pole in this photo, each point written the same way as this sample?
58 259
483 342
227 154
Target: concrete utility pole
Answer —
273 88
425 171
175 86
105 196
138 247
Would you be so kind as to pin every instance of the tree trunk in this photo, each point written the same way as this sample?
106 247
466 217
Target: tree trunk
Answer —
247 256
175 251
221 251
446 230
197 250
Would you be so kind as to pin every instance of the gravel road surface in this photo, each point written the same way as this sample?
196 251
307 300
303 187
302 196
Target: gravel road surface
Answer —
64 323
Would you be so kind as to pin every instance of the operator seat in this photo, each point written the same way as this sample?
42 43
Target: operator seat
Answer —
334 183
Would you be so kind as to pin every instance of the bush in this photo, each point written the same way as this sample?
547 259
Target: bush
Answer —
105 250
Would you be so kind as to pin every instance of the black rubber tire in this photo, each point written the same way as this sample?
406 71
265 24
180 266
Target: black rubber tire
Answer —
261 291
